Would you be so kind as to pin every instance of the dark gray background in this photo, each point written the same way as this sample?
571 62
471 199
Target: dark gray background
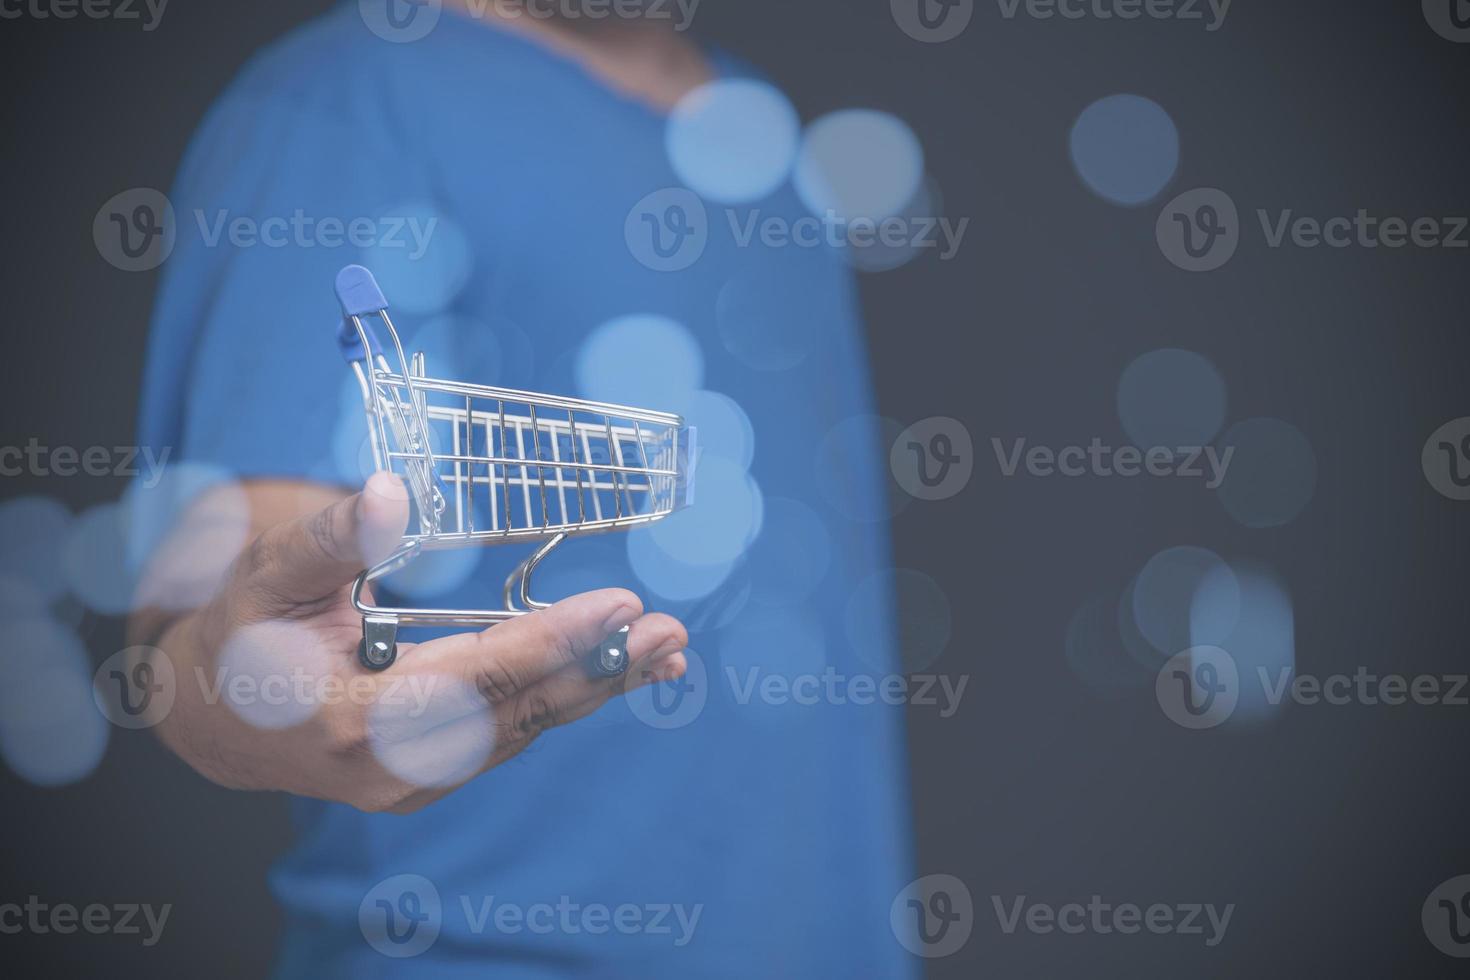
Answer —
1327 828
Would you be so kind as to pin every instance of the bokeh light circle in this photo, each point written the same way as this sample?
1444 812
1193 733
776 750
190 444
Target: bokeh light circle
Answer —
640 359
155 508
668 577
1261 634
904 235
733 140
20 598
724 430
858 163
95 557
1125 148
436 739
723 522
272 674
1270 475
1163 595
425 264
35 647
32 530
1171 398
51 733
189 567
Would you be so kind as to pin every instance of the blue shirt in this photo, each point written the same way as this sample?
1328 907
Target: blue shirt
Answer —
772 806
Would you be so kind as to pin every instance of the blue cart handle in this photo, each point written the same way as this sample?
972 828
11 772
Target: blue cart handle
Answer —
359 295
358 292
349 342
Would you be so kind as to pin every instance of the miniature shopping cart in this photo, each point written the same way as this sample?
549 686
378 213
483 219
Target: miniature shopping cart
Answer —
489 466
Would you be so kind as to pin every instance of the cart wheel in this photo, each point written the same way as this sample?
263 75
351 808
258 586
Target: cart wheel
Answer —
379 656
612 655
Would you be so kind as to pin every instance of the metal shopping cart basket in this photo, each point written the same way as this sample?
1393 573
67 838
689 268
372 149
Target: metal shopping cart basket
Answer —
488 466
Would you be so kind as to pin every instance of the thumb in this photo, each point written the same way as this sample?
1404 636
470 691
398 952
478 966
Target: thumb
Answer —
311 557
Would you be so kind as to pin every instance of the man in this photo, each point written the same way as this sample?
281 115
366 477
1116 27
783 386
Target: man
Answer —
759 834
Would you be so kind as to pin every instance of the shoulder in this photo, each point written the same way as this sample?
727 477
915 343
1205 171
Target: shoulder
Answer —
329 95
329 70
338 80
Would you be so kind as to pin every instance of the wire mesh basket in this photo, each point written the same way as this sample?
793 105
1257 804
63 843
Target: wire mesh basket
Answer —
487 465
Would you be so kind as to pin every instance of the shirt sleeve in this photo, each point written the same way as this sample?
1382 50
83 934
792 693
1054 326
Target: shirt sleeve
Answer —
277 193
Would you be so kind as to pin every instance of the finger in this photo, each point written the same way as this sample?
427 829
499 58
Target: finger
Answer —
571 692
580 697
506 659
554 699
312 557
656 633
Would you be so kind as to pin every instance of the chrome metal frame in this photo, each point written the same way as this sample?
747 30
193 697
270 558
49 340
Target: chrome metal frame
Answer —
624 467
